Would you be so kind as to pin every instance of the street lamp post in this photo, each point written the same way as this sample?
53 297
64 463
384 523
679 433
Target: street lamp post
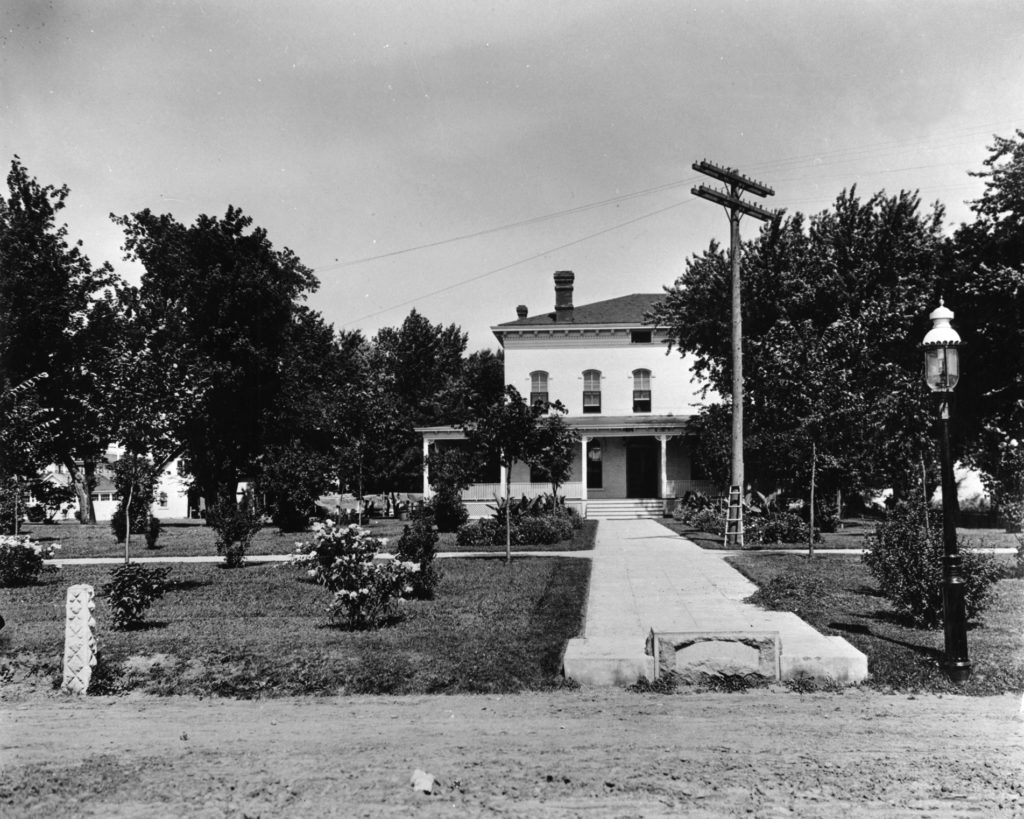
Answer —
941 373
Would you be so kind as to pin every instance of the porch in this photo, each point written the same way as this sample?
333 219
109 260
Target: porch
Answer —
626 467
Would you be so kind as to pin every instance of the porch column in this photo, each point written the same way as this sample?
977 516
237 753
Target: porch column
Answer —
584 440
426 467
663 439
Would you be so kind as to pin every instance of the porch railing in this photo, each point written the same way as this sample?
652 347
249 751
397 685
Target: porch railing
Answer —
676 489
490 491
573 490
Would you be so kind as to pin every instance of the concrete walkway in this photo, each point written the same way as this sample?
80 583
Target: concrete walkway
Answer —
646 578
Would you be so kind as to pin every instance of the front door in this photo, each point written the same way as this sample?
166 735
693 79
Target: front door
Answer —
642 468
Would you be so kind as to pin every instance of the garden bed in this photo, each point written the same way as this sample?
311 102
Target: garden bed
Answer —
838 596
262 631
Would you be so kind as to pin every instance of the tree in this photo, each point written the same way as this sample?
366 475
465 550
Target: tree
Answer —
135 478
55 319
451 471
987 295
368 419
219 301
834 307
305 426
555 445
420 365
22 425
508 430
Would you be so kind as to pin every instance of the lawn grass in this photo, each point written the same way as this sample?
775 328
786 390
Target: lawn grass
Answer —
838 596
262 630
193 538
178 538
850 536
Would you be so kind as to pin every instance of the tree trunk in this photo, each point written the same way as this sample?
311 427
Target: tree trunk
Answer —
83 480
128 521
814 471
508 514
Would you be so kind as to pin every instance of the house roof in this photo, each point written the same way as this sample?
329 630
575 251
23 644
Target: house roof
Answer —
622 310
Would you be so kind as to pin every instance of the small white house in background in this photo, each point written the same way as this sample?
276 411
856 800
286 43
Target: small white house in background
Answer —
171 493
632 405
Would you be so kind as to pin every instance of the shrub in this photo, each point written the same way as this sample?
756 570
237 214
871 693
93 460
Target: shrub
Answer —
366 591
907 563
235 525
448 511
707 520
781 527
21 561
133 589
35 513
536 530
291 478
483 532
418 545
54 499
1013 514
540 529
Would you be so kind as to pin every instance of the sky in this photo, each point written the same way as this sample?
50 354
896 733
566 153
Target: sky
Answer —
449 156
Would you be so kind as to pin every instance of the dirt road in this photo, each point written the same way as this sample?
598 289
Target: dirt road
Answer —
590 753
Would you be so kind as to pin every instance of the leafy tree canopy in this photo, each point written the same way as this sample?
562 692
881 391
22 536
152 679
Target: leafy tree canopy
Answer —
219 305
55 317
833 309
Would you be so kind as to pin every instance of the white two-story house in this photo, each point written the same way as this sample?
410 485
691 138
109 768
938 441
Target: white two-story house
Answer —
632 404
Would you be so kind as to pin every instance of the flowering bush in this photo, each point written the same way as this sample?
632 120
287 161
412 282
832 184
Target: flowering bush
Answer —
366 588
21 560
418 545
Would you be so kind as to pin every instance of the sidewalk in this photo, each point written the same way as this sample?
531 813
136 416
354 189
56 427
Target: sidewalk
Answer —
646 578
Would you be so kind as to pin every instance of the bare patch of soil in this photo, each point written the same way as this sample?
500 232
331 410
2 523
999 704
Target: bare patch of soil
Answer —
560 754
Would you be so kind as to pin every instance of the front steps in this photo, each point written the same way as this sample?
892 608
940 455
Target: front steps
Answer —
625 508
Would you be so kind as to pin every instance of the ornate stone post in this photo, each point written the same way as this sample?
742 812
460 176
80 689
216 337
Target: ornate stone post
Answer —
79 640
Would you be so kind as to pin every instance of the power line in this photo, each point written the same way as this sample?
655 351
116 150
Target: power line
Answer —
531 221
836 157
509 266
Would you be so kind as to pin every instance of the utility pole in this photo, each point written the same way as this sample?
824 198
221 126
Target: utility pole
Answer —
735 184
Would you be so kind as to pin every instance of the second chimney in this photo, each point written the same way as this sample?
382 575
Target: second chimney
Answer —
563 295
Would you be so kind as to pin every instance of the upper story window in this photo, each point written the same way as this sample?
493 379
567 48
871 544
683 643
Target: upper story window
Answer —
591 390
538 387
640 336
641 390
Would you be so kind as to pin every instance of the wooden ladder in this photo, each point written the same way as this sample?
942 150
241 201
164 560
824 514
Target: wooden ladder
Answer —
734 519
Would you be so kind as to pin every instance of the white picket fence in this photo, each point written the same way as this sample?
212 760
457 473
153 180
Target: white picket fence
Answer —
490 491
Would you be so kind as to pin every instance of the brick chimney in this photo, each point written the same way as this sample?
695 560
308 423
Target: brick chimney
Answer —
522 312
563 295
